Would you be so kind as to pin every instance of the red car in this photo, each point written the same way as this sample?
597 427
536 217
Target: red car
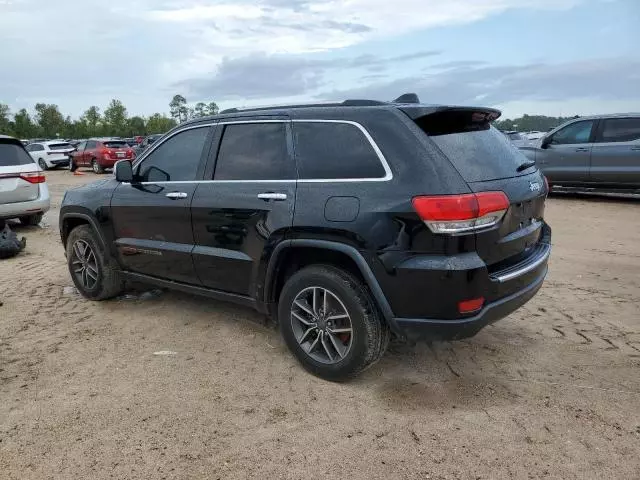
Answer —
100 154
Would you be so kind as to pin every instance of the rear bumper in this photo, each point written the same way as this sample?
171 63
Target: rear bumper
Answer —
424 291
420 328
20 209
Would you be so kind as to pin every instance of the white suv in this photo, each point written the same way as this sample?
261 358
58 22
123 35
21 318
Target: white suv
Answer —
23 190
50 154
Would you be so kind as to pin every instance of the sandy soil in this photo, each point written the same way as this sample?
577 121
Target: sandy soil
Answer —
553 391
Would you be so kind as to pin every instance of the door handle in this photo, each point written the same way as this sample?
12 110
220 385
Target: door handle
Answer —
582 149
176 195
277 197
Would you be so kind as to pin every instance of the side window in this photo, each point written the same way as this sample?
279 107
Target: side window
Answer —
620 130
254 151
334 151
29 148
175 160
81 146
578 132
91 145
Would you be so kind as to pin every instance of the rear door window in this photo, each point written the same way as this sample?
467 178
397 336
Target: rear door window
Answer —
12 154
620 130
477 150
334 150
254 151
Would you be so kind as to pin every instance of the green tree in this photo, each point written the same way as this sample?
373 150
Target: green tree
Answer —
200 110
178 108
136 126
6 127
212 108
160 123
23 126
93 121
115 118
50 120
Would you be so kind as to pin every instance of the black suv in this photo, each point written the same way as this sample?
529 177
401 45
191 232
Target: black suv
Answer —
346 223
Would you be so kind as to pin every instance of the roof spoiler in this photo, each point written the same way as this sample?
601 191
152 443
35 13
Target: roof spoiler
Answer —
407 98
478 114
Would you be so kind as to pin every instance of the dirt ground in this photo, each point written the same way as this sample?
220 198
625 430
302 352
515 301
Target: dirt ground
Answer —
553 391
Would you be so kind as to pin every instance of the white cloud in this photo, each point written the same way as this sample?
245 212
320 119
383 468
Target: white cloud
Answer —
68 51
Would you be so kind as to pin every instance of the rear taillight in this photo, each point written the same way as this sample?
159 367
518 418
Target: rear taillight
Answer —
461 213
33 177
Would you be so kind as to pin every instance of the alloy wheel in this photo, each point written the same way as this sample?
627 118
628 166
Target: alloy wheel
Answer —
321 325
84 264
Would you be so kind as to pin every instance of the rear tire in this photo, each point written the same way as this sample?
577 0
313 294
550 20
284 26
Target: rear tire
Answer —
95 274
42 164
334 356
31 220
97 168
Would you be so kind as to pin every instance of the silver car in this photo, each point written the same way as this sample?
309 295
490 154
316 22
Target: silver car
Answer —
23 189
601 152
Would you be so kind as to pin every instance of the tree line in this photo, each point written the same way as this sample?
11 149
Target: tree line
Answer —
528 123
46 120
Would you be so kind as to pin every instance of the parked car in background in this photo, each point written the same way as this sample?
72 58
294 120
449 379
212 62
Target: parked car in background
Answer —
23 189
100 154
518 139
600 152
146 143
50 154
346 223
131 142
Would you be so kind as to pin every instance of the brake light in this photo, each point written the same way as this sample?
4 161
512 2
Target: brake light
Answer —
461 213
469 306
33 177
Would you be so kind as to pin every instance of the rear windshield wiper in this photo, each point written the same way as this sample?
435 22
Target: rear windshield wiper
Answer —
525 165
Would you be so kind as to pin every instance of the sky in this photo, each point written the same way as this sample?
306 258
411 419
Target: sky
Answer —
551 57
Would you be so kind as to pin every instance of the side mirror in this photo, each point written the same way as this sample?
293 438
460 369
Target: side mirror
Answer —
546 141
123 171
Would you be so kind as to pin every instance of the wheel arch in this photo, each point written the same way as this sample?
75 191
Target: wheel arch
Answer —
323 252
71 220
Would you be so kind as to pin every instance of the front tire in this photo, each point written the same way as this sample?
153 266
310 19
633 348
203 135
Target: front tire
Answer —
95 274
31 220
97 168
42 164
330 322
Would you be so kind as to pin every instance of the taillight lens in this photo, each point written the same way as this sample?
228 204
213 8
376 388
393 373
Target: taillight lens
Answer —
470 306
33 177
461 213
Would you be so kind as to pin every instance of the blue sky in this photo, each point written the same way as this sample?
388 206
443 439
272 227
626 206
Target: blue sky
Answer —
555 57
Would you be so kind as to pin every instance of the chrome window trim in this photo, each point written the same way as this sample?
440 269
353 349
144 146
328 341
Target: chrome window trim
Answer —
388 175
385 165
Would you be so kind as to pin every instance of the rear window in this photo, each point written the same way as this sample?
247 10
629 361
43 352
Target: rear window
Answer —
60 146
515 136
12 154
476 149
115 144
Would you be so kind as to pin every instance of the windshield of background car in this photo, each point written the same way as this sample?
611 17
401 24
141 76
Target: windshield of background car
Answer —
12 154
476 149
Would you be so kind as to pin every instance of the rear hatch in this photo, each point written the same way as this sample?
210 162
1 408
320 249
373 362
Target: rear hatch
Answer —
118 149
17 173
60 150
488 162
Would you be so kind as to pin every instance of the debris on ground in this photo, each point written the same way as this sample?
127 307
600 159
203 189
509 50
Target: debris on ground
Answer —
10 245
